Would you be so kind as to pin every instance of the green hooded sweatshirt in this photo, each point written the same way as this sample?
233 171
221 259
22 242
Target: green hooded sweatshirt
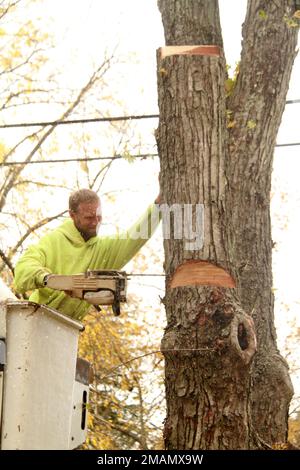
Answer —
64 251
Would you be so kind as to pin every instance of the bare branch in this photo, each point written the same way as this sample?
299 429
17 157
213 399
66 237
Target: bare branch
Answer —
25 62
31 136
9 7
42 184
106 169
7 262
296 408
99 173
124 431
35 227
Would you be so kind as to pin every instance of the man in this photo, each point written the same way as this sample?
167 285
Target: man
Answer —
73 248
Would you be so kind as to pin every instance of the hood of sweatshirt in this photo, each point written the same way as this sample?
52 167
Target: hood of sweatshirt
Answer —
71 233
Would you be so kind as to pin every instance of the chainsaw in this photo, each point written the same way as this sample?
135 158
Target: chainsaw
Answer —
103 287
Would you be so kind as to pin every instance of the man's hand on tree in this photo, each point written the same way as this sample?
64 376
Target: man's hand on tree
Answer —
158 199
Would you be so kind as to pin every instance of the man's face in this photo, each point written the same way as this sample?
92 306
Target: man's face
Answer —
87 218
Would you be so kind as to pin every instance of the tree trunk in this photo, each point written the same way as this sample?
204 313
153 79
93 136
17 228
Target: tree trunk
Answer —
217 397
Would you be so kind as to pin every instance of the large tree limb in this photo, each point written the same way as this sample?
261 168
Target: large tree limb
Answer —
258 98
256 106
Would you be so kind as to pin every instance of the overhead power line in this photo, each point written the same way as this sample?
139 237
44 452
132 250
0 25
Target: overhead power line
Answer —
292 101
293 144
145 274
91 120
79 121
116 157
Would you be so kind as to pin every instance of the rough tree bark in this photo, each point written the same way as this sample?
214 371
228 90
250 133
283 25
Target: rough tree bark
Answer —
222 391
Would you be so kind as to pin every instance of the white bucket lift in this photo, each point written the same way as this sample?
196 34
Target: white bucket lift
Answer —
44 388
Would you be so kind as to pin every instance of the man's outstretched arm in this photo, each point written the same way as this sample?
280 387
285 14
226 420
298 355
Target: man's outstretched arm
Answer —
122 248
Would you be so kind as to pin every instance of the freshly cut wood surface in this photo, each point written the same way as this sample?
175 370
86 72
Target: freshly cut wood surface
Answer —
190 50
201 273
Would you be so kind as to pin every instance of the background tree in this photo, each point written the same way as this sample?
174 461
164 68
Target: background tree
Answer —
218 151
